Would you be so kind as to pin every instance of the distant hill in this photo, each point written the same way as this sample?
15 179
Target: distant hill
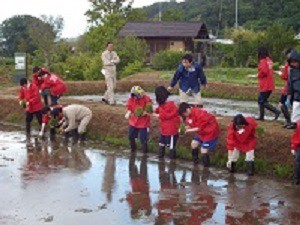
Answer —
217 14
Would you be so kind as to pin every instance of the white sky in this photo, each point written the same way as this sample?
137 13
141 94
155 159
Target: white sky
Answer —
71 10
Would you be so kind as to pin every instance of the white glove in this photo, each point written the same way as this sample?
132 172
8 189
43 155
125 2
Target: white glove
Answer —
127 115
293 152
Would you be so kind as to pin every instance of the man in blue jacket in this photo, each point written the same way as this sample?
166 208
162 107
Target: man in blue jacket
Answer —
190 76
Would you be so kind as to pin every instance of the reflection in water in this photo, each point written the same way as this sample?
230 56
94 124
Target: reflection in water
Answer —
108 182
44 157
139 198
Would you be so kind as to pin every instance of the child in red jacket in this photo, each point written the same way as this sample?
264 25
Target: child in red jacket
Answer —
54 83
207 130
169 120
241 138
139 119
295 146
29 96
266 84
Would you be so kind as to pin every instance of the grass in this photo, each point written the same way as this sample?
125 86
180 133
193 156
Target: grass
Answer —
228 75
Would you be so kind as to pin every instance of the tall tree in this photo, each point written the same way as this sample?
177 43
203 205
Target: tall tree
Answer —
101 8
44 33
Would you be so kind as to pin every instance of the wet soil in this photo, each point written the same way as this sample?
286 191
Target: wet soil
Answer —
48 183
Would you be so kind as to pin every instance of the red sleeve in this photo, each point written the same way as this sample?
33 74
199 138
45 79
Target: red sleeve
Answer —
34 94
285 73
45 119
157 110
168 114
295 140
230 138
129 105
46 84
21 94
263 69
203 118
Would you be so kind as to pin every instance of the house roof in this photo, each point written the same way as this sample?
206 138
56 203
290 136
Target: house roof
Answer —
165 29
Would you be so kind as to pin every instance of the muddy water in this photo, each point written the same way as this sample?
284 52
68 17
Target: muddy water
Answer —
223 107
44 183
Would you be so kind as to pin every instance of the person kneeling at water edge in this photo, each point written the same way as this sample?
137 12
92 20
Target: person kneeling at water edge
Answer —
207 130
295 146
76 119
241 138
139 108
169 122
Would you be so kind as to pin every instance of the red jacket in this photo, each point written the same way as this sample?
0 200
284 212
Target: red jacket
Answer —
46 119
266 75
55 84
285 76
132 104
32 96
169 119
295 140
38 81
244 142
206 122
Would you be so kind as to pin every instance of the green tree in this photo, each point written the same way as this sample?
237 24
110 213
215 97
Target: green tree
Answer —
172 15
44 33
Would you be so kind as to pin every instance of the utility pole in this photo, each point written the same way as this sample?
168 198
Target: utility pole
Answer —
236 14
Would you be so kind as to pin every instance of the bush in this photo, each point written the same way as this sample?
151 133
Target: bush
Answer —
167 60
251 62
132 68
276 66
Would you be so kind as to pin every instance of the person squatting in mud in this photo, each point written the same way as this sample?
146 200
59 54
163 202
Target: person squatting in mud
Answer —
191 77
207 130
169 122
266 84
241 138
76 119
30 100
139 107
293 98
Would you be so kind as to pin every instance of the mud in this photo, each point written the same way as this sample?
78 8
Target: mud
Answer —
48 183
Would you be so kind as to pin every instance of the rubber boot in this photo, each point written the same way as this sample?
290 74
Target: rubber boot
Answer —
52 134
297 173
195 153
232 168
286 115
273 109
293 126
200 106
145 147
82 138
206 160
250 168
161 152
132 145
173 154
261 113
28 129
75 136
67 137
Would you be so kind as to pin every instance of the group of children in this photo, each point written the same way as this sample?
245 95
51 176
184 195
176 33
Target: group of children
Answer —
72 120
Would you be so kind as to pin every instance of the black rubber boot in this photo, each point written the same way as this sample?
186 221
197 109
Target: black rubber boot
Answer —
132 145
82 138
250 168
297 173
273 109
200 106
232 168
52 134
75 136
161 152
206 160
195 153
173 154
28 128
261 113
293 126
286 115
145 147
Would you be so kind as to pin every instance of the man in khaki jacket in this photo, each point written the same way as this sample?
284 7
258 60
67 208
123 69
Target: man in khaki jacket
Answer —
76 119
110 59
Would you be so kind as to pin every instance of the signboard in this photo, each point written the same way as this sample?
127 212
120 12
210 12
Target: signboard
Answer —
20 67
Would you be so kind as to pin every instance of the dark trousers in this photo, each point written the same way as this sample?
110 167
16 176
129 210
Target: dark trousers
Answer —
298 155
54 100
263 97
29 118
141 133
